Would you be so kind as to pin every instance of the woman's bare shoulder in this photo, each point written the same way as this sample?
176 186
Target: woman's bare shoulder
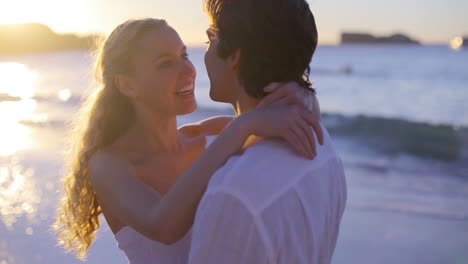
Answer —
105 164
103 157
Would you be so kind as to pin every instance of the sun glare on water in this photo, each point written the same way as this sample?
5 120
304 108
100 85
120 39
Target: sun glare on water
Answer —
456 43
18 193
17 87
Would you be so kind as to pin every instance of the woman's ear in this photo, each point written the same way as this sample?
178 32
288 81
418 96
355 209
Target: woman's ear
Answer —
123 84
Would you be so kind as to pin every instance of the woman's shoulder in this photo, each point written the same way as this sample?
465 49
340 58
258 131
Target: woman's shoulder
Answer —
104 156
105 162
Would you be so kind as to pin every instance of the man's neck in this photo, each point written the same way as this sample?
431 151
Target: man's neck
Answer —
244 103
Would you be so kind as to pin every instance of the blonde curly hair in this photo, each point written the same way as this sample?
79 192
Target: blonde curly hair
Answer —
105 116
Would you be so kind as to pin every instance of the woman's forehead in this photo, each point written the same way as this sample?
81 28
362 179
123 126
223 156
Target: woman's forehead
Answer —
160 41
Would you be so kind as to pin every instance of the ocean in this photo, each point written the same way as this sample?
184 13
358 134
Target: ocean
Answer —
398 116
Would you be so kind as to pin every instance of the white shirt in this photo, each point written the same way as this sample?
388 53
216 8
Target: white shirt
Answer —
141 250
270 205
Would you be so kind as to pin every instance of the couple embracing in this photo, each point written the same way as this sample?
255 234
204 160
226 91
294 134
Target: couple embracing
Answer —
269 189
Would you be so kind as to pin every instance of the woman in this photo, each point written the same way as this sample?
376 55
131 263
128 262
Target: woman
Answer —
131 163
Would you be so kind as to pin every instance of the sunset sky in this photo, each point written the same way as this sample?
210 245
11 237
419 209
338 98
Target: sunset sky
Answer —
430 21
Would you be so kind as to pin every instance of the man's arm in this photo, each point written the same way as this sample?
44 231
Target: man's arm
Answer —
225 231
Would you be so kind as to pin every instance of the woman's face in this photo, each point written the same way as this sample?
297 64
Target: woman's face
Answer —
162 77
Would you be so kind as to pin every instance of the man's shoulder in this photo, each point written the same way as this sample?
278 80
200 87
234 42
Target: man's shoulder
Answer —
272 156
261 172
265 157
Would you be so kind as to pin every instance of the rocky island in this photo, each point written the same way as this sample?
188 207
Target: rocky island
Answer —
33 37
364 38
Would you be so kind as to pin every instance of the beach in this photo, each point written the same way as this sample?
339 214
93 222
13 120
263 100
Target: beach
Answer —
397 115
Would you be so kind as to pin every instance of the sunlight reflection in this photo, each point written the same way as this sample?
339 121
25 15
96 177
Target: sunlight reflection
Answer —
456 43
64 95
18 193
29 231
5 253
13 135
17 80
18 85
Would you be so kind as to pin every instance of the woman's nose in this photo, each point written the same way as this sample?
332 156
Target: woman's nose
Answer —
189 68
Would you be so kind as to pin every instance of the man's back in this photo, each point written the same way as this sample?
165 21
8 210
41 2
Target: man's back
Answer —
270 205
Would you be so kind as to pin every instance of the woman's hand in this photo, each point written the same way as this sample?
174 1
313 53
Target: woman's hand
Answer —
291 93
287 93
294 124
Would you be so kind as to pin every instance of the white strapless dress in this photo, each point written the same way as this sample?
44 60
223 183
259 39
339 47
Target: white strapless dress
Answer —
141 250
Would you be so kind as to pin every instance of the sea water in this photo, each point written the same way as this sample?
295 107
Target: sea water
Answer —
398 116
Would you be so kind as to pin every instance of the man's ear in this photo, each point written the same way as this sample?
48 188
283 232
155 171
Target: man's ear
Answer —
234 59
122 83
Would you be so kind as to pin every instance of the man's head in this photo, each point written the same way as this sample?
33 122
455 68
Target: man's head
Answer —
255 42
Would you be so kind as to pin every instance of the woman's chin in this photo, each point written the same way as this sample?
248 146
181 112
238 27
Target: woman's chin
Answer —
188 109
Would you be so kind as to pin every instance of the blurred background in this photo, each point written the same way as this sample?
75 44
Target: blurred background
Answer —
392 80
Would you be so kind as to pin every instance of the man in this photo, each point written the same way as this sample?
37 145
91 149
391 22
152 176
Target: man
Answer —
267 205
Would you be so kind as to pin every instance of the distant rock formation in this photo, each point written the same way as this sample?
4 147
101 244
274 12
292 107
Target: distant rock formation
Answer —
7 97
362 38
465 41
33 37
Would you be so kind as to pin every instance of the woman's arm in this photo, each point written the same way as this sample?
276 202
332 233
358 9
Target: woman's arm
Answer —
168 218
279 94
176 210
207 127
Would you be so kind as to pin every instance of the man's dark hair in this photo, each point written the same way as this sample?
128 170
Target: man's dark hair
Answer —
277 39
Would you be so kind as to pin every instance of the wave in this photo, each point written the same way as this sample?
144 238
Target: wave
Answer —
391 135
56 124
73 100
343 70
411 209
442 142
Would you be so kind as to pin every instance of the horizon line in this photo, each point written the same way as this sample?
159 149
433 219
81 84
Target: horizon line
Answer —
201 43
